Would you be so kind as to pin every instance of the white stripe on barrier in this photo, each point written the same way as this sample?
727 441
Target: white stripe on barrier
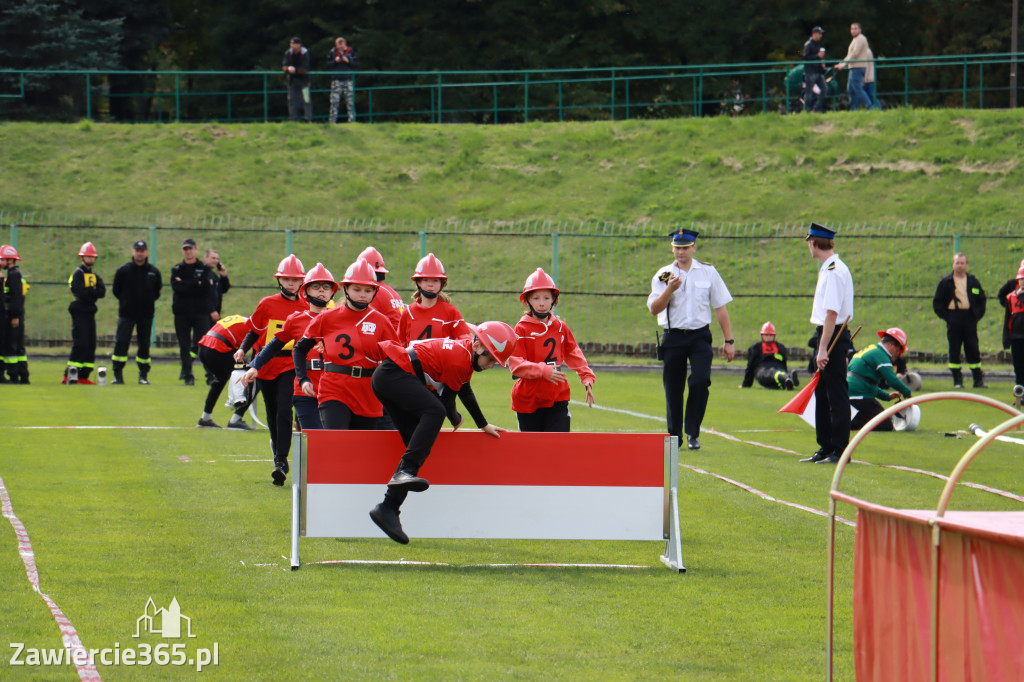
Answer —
69 636
403 562
493 511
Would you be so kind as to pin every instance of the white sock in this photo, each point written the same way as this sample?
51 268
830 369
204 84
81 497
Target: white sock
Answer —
235 418
207 416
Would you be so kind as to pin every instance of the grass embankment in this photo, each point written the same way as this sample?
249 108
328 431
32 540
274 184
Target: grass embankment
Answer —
899 165
119 515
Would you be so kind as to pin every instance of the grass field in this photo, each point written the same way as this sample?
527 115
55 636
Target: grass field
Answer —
116 516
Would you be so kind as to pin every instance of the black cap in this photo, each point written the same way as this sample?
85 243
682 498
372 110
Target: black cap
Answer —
819 230
188 242
683 237
817 29
296 39
140 245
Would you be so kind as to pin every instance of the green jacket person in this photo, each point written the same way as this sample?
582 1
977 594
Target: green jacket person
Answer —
871 377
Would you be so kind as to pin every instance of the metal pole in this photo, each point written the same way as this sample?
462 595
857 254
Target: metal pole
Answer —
289 241
266 99
1014 20
88 96
152 259
423 243
554 256
526 98
613 94
177 98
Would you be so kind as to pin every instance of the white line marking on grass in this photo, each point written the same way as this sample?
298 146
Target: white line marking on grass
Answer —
139 428
78 652
183 458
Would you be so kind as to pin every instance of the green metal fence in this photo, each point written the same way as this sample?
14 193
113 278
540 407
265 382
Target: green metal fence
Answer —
603 269
975 81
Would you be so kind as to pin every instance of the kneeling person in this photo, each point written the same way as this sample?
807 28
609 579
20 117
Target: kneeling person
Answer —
871 373
766 362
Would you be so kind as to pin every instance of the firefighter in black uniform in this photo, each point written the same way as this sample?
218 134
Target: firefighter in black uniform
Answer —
137 286
87 287
193 305
766 362
960 301
15 359
3 323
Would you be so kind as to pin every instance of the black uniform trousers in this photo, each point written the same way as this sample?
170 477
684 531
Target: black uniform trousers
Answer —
832 397
190 327
123 339
1017 354
771 375
554 419
962 330
335 414
868 409
277 398
220 365
16 361
83 343
680 347
417 413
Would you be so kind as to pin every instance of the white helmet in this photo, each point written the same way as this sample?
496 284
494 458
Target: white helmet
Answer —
913 381
908 419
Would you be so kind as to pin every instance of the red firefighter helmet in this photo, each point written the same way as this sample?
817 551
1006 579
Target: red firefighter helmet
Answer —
1020 273
898 334
430 266
88 250
361 272
373 257
498 338
8 251
318 273
768 328
290 267
538 280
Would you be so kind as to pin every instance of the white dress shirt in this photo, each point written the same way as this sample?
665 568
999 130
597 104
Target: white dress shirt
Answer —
834 292
693 303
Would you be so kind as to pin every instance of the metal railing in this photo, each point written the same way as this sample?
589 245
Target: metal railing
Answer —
966 81
603 269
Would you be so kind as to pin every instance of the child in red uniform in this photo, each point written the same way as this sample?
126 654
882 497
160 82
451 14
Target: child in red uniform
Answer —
417 386
351 335
387 299
276 378
216 351
318 288
431 314
1014 304
540 397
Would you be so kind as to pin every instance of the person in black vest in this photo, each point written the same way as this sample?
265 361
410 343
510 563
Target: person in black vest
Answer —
194 288
766 362
15 358
960 301
137 286
87 287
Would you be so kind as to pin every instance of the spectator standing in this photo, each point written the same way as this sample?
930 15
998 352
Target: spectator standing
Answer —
137 286
1015 325
296 65
341 62
831 312
684 295
15 358
815 87
960 301
220 278
1005 291
193 285
86 287
857 58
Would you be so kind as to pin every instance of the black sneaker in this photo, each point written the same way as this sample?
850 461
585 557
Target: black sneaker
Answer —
818 456
240 425
190 381
833 458
278 475
796 378
207 424
403 480
387 520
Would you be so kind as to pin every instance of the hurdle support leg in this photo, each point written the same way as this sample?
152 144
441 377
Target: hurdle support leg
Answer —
298 460
673 556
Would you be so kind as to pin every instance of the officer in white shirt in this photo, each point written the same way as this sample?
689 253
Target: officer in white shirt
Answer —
683 297
831 314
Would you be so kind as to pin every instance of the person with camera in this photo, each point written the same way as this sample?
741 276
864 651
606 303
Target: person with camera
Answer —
342 61
221 283
815 87
296 66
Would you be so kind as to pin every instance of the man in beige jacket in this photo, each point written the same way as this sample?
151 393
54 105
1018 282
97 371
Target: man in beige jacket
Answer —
857 58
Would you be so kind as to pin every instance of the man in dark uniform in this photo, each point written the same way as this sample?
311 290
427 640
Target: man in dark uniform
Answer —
194 288
3 322
960 301
766 363
15 358
831 313
296 66
814 72
684 296
87 287
137 286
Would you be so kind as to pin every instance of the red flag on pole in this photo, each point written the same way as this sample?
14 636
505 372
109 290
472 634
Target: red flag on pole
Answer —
802 403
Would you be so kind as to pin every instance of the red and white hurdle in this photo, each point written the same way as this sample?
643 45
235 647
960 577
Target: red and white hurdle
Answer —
523 486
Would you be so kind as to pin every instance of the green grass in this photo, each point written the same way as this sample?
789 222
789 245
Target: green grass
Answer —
115 517
900 165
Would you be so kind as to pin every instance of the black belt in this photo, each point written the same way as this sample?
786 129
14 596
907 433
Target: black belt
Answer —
686 331
417 366
219 337
316 365
354 372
